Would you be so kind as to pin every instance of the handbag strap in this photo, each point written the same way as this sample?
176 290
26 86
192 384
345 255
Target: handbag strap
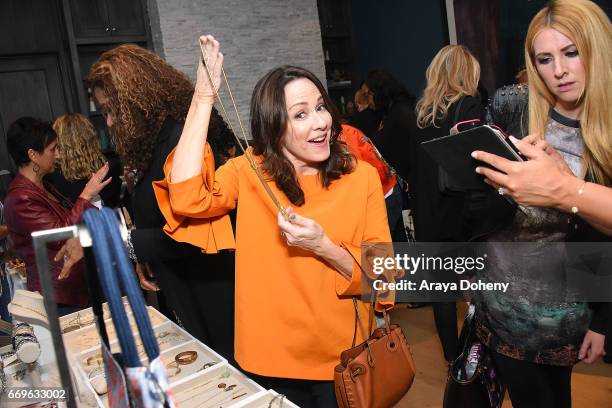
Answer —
110 286
114 270
457 111
130 285
95 294
370 319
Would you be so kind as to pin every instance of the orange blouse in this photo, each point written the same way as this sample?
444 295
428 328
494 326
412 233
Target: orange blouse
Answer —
294 313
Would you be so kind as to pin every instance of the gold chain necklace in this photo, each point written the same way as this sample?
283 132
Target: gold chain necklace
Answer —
37 311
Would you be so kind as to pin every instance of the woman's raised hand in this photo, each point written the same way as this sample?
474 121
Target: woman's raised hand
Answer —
204 90
96 183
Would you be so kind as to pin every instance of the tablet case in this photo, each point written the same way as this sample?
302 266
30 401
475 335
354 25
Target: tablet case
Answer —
453 153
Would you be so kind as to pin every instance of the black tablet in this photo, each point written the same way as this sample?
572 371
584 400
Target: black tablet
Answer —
453 153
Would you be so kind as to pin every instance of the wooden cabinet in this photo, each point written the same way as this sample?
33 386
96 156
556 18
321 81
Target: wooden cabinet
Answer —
101 21
94 27
126 18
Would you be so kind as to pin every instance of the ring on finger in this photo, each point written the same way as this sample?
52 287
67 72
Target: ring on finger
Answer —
502 191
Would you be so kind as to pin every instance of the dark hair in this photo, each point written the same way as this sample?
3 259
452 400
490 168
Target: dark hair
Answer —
269 120
386 89
28 133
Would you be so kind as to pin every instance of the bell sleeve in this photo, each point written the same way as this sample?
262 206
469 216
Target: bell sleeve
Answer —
196 209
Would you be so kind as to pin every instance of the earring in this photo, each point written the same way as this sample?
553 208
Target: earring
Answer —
36 168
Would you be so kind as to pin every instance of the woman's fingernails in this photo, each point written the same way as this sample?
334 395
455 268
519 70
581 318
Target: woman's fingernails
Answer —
474 155
478 170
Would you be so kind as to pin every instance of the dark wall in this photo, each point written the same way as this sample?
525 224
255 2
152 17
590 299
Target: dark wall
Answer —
399 36
514 21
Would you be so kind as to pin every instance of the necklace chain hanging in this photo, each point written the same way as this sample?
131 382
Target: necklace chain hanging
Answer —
244 149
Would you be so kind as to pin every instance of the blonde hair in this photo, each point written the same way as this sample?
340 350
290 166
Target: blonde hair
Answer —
80 153
453 73
589 28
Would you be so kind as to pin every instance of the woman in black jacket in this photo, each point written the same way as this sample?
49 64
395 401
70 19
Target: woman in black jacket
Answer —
450 97
388 98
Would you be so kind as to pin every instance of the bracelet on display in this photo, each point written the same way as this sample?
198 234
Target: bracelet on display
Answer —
207 365
186 357
280 397
94 359
173 365
130 247
20 340
95 372
22 328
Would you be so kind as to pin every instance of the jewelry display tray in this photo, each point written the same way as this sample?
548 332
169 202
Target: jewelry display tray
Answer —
224 373
87 337
262 400
191 374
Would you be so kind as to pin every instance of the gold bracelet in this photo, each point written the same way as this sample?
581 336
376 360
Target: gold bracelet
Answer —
96 358
575 209
176 367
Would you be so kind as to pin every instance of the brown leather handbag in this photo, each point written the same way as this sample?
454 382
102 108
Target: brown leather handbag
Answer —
378 372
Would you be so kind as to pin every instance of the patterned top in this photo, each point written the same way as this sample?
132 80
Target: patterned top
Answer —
535 326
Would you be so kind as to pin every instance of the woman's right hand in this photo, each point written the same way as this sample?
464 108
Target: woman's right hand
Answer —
536 140
204 90
96 183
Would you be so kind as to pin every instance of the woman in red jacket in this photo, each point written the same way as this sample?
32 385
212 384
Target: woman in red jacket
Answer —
33 205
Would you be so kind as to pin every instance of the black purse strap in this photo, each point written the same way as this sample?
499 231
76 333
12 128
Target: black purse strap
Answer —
458 111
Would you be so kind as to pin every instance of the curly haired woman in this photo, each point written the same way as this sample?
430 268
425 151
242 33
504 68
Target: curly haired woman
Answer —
145 102
80 156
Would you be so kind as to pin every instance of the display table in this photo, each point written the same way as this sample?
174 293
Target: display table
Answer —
203 379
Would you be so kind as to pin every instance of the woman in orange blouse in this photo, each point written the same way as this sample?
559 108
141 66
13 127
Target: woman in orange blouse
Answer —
294 277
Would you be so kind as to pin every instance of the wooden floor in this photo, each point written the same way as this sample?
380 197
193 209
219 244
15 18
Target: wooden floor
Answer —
591 384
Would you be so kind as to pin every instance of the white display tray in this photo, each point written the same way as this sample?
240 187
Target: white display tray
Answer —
210 395
262 400
169 350
87 337
245 393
